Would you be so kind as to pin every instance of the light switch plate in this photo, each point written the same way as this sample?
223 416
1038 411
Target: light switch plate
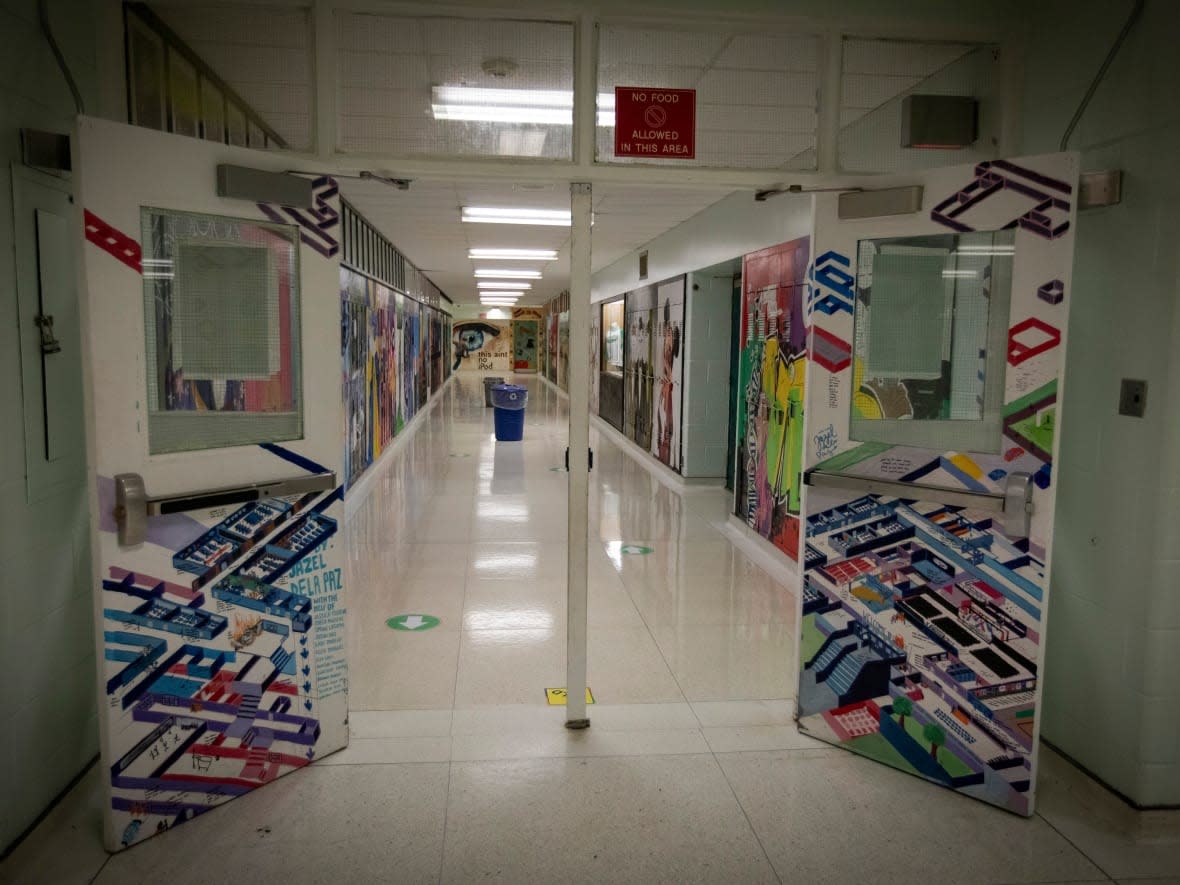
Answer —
1133 398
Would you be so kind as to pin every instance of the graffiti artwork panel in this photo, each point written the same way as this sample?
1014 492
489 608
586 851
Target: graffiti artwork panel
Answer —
563 350
551 347
922 623
772 375
369 345
411 357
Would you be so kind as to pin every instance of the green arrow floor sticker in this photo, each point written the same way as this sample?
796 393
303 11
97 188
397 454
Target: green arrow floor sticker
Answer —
412 623
635 549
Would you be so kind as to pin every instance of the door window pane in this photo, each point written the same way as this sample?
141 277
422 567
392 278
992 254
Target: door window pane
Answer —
221 302
931 320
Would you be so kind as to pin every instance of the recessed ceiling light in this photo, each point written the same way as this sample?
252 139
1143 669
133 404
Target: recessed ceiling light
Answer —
496 293
502 284
508 273
512 254
495 215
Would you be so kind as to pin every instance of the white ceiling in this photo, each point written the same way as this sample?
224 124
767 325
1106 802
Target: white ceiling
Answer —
423 222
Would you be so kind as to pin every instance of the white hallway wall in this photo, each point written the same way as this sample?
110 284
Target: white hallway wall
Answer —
1112 699
730 228
46 620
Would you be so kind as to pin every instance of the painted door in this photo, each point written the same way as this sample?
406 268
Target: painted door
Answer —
524 345
937 350
211 344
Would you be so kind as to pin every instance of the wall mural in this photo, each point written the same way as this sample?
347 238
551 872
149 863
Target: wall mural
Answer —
482 346
385 370
595 355
638 381
772 371
526 338
922 624
436 350
611 377
563 350
667 326
551 347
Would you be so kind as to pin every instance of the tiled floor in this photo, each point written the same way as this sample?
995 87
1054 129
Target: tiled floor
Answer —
692 771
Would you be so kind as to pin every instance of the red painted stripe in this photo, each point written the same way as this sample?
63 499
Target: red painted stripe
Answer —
113 242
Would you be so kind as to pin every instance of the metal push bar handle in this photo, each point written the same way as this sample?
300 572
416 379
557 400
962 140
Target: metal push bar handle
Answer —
1015 505
133 505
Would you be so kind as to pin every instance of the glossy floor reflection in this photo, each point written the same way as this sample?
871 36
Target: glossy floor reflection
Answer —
473 532
693 770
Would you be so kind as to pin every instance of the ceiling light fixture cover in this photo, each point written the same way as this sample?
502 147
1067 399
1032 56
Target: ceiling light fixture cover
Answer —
502 284
554 107
512 254
493 215
508 273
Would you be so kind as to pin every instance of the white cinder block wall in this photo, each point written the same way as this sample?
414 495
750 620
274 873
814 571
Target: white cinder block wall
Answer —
1112 697
46 621
706 370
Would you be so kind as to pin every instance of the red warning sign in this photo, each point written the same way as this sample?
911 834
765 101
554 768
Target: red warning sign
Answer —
658 123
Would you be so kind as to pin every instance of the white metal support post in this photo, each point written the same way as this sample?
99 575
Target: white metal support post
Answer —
579 456
324 20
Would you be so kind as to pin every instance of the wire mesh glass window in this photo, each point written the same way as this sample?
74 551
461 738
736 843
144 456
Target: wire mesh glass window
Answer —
756 93
221 301
931 322
455 87
877 75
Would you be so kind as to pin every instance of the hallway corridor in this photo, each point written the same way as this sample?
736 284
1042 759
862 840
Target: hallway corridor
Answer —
693 771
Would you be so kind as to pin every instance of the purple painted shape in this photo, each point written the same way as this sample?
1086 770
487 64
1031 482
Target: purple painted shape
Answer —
1053 292
1000 175
314 225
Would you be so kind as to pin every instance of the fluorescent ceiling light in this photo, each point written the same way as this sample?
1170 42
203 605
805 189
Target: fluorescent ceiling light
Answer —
508 273
496 293
959 274
502 284
490 215
512 254
552 107
499 302
985 250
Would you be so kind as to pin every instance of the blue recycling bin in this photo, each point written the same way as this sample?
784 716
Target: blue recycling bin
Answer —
509 401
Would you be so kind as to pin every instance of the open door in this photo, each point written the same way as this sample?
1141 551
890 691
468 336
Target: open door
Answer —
937 342
210 331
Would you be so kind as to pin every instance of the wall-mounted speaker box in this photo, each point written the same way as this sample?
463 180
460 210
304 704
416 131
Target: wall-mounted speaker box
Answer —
943 122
